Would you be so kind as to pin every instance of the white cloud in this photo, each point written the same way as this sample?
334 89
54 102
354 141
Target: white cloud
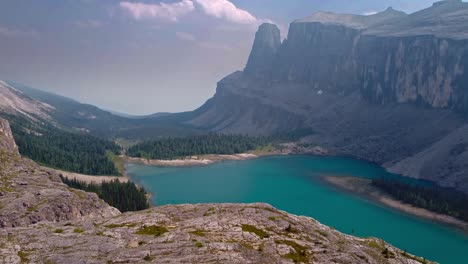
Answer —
226 10
185 36
370 13
170 12
18 33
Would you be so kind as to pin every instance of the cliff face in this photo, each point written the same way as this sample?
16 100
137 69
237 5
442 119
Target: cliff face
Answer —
266 45
345 53
7 142
384 88
423 70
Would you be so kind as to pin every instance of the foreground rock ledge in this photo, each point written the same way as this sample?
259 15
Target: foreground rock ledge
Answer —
205 233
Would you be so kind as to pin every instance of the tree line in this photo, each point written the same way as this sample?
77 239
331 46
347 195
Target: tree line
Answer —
173 148
64 150
434 198
125 196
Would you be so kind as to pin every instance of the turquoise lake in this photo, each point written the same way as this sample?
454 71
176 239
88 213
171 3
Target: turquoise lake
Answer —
292 184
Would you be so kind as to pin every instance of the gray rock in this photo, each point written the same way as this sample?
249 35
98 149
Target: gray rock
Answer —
205 233
30 195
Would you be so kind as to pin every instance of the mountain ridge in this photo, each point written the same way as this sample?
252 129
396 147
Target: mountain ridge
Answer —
384 97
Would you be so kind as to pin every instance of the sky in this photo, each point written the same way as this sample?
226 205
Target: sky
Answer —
145 56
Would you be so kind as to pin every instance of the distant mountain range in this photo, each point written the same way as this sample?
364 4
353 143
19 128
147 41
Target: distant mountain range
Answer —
389 88
68 114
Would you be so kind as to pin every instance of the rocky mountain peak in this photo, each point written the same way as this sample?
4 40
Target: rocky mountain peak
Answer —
447 2
266 44
7 142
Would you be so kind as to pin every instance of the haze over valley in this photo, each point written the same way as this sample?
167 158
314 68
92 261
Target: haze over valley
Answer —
340 117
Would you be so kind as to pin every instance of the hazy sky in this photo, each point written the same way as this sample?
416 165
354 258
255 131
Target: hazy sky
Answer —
145 56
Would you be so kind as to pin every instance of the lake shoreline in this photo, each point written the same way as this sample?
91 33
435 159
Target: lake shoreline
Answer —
363 188
87 178
202 160
208 159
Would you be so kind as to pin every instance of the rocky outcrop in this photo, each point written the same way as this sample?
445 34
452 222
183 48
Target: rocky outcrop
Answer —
266 45
7 141
29 194
205 233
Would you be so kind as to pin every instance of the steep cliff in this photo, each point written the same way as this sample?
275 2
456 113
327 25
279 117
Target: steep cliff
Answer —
266 45
7 141
384 88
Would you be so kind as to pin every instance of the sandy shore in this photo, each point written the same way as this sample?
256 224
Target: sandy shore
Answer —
192 161
87 178
364 188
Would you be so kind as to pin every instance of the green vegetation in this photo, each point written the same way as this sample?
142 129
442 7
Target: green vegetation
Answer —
125 196
437 199
172 148
118 161
152 230
252 229
388 254
112 226
78 230
298 255
58 231
148 257
64 150
198 244
198 232
24 256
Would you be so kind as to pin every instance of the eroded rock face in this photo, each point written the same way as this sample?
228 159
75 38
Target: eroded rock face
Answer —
209 233
266 45
29 195
7 141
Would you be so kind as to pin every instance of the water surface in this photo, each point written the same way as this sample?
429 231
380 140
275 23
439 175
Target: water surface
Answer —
292 184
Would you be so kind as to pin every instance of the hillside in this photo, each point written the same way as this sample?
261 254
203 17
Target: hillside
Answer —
74 116
43 221
388 88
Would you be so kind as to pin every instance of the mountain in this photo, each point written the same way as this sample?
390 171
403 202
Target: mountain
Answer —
44 221
388 88
74 116
13 101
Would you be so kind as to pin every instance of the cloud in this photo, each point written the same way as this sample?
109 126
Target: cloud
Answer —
170 12
224 9
18 33
369 13
185 36
90 23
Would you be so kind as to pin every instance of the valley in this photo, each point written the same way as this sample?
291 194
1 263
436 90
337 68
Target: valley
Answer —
359 122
